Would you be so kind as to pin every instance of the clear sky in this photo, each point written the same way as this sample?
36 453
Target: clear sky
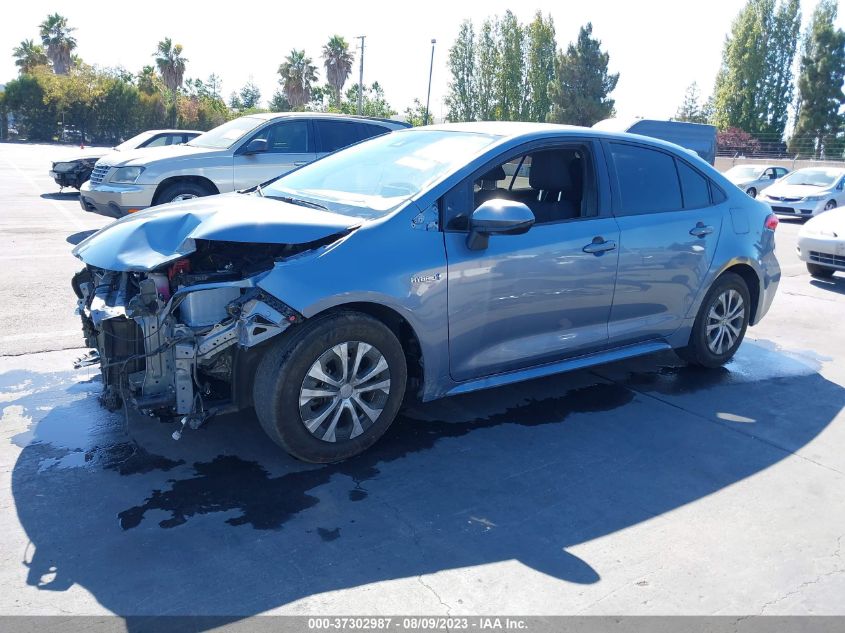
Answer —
658 46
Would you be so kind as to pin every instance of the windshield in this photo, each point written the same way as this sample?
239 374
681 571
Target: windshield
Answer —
133 142
745 172
376 176
814 177
226 135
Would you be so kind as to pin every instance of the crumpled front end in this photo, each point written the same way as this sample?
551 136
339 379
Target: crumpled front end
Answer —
180 340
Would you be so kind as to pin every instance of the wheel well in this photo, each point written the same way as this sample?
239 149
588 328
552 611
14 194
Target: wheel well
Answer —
751 280
197 180
403 331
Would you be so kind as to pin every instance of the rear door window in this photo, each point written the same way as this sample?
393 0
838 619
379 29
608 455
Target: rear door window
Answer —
334 135
646 179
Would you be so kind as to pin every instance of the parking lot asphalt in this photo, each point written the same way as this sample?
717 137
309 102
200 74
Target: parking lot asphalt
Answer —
642 487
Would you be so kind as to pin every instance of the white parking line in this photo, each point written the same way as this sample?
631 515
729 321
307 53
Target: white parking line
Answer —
67 214
11 338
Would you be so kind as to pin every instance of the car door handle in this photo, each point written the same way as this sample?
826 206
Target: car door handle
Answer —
599 246
700 230
300 163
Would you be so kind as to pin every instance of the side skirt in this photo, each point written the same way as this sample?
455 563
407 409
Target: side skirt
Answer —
579 362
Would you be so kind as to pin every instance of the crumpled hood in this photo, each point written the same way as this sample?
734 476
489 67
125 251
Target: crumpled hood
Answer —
795 191
830 222
146 155
146 240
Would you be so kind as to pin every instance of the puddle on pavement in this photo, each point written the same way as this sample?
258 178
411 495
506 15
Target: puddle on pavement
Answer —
266 502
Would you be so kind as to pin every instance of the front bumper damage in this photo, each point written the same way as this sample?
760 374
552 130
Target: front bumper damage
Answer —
175 350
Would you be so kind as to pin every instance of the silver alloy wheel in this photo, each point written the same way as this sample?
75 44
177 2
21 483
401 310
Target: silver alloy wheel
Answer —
724 321
184 196
344 391
752 192
830 205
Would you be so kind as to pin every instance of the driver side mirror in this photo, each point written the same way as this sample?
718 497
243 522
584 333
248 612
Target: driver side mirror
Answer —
497 217
256 146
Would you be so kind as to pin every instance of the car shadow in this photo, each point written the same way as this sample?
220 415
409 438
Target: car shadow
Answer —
834 284
61 195
223 523
76 238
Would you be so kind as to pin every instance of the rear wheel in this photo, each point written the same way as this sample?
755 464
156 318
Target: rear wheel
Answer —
819 272
330 390
720 324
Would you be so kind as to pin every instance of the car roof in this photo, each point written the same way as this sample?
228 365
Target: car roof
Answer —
268 116
839 170
525 131
174 132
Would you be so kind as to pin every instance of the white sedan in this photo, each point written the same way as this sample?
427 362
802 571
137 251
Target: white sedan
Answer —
821 243
807 192
752 179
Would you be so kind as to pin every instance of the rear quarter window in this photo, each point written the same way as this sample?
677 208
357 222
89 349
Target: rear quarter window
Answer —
695 187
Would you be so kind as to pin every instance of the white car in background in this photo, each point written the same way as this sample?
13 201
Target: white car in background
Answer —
807 192
821 244
752 179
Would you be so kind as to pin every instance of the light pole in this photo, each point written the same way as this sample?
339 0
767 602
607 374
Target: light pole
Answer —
361 77
430 69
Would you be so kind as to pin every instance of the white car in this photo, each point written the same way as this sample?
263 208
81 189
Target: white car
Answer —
821 243
807 192
752 179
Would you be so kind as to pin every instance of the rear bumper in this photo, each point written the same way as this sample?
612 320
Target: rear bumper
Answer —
115 201
822 251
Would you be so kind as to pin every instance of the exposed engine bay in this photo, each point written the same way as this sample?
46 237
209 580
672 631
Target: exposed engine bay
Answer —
181 341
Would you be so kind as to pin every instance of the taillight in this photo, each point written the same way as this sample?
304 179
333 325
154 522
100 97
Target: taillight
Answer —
771 222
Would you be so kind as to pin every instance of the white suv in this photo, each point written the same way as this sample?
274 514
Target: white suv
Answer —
236 155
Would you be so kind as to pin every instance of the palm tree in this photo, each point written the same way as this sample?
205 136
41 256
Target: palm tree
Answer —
297 74
55 36
170 63
29 55
338 62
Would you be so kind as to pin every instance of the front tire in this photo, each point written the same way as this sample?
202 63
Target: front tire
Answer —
182 191
819 272
751 191
331 389
720 324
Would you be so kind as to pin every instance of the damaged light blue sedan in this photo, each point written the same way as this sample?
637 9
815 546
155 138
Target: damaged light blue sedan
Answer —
425 263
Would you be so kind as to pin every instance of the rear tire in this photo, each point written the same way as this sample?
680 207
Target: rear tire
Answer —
819 272
331 389
720 324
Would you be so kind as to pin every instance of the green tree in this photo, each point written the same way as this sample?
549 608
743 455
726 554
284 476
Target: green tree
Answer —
298 75
58 42
338 63
486 69
374 102
462 98
214 85
250 96
279 103
754 83
4 117
820 98
542 48
511 89
170 63
148 81
582 85
415 114
36 118
692 110
29 55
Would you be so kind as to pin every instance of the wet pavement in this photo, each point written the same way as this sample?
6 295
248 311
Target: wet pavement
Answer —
643 487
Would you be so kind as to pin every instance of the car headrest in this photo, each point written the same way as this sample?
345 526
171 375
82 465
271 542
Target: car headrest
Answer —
550 170
497 173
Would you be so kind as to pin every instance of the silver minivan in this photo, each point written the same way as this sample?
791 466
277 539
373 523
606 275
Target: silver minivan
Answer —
236 155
